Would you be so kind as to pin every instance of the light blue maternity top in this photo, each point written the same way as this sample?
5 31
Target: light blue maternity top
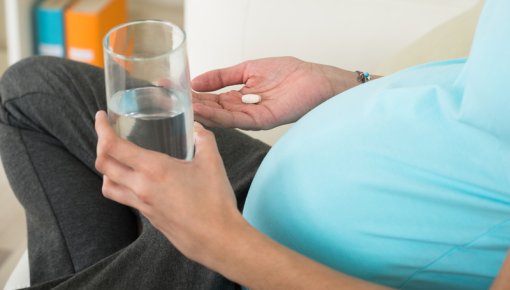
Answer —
403 181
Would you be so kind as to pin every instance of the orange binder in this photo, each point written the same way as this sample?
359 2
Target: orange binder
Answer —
86 23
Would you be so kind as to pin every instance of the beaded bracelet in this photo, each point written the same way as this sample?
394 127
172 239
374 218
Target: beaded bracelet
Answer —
363 77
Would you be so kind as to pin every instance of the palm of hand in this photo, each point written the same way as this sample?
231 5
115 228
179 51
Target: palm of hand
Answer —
289 88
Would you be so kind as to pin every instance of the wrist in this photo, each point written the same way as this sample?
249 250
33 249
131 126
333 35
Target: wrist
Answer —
217 248
235 255
240 254
340 80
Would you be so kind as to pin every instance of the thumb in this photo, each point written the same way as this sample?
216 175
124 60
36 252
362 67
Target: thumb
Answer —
205 143
220 78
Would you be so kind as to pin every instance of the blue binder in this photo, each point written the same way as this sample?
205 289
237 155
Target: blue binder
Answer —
50 27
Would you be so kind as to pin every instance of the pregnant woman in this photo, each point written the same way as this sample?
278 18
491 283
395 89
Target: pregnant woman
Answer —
400 182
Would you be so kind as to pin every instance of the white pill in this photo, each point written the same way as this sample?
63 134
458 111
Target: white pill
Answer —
251 99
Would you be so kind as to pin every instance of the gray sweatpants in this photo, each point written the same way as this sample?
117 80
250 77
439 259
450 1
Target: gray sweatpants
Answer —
77 239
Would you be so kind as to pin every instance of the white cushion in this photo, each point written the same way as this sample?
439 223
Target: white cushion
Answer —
354 34
20 276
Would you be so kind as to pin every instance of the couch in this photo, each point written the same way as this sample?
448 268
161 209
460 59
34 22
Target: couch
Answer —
377 36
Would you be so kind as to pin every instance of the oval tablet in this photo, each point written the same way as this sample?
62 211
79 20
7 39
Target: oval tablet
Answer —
251 98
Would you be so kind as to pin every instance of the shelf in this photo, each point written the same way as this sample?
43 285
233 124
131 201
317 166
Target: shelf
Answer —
19 34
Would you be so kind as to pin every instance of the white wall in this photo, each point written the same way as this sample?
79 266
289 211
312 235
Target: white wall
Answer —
354 34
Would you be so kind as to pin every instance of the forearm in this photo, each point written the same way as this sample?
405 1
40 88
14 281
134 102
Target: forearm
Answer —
502 282
254 260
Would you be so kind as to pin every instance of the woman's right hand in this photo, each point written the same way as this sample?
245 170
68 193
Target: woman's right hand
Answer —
289 88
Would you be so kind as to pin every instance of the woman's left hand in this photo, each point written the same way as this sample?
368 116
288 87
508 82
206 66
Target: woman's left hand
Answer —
190 202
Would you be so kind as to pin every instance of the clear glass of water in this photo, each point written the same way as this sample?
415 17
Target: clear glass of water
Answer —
148 86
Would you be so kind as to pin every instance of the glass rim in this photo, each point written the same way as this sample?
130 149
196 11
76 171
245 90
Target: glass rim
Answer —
136 22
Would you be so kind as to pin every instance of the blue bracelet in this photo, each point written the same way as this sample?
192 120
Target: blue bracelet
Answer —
363 77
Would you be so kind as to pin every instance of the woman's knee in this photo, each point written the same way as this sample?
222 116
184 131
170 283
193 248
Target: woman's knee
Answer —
29 75
50 81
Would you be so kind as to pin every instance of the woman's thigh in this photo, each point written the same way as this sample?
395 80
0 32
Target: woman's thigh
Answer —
47 144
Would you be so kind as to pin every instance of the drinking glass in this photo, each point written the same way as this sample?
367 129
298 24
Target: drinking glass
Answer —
148 86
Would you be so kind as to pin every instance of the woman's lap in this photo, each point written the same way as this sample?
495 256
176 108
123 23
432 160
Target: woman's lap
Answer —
47 144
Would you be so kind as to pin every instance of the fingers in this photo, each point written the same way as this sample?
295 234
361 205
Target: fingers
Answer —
109 144
217 79
213 116
120 194
207 98
115 170
207 122
226 110
228 100
219 117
